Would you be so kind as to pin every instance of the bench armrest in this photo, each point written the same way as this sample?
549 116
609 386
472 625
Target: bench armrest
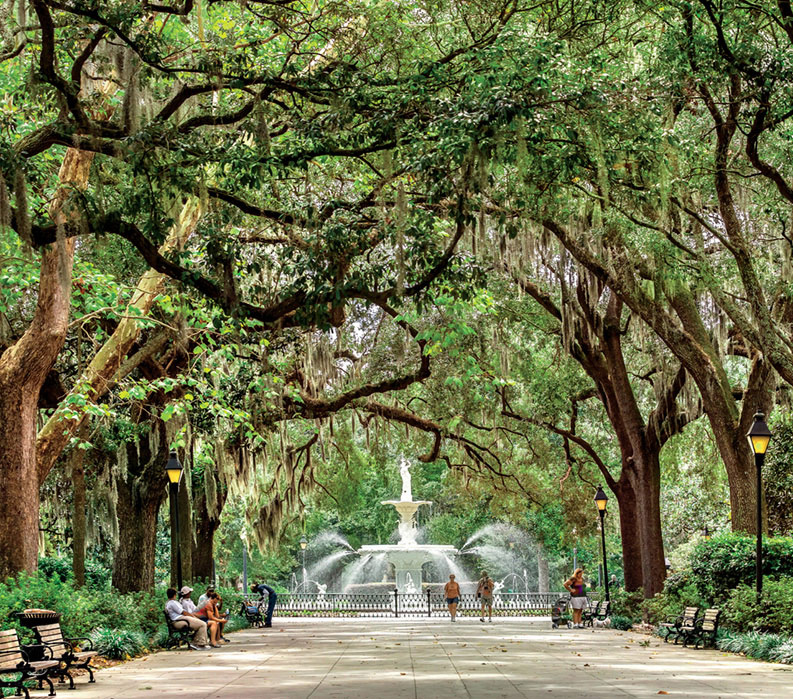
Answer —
43 646
73 642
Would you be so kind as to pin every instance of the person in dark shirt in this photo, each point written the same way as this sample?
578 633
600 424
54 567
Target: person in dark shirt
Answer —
261 589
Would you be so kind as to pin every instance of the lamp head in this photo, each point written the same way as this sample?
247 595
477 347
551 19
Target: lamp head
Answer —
759 435
303 542
601 499
174 468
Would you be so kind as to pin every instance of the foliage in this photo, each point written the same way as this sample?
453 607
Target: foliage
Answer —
726 561
755 644
778 477
118 644
96 575
679 592
773 614
627 604
622 623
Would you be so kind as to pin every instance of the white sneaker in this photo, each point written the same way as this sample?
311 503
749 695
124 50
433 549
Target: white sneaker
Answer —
490 621
482 619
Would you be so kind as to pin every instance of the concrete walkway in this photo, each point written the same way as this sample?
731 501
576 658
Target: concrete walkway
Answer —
435 659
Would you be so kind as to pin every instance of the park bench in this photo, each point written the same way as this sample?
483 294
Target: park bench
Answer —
676 627
15 660
599 612
66 651
177 635
705 629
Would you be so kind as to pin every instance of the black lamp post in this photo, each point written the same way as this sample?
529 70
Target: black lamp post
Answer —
174 470
759 436
303 544
601 499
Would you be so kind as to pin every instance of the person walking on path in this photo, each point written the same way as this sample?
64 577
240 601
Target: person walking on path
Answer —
177 613
484 592
576 586
452 592
261 588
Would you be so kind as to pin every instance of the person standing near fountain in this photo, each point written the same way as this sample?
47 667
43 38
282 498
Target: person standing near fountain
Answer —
484 592
452 592
578 601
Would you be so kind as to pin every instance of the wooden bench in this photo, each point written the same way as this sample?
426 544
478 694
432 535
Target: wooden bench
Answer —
178 635
677 627
65 650
705 629
14 660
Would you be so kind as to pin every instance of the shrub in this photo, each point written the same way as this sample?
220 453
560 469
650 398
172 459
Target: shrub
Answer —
627 604
679 592
720 564
621 623
773 614
118 644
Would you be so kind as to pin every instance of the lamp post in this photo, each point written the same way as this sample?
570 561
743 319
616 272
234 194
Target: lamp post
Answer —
244 538
706 533
601 499
575 550
174 470
303 544
759 436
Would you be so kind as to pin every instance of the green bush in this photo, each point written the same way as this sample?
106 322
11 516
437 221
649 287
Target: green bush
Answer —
773 614
118 644
621 623
679 592
96 575
627 604
763 646
721 564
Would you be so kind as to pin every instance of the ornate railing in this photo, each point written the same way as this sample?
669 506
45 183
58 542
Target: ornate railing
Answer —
395 604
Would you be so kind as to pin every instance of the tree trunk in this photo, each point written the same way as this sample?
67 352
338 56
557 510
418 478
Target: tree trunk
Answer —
78 516
140 494
646 480
629 531
206 524
186 544
543 580
23 368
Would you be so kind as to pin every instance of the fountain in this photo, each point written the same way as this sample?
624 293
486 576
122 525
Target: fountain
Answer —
408 555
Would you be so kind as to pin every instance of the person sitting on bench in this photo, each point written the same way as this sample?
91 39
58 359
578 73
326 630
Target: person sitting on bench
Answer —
215 621
177 613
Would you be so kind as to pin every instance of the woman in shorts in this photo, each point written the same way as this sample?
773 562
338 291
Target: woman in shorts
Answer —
576 586
452 593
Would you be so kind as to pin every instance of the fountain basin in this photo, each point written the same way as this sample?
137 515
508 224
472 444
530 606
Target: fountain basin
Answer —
407 560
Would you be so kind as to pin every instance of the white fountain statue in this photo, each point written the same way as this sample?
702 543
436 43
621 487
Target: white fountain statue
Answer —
408 555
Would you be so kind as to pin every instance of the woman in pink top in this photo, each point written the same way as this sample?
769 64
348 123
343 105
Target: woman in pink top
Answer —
578 601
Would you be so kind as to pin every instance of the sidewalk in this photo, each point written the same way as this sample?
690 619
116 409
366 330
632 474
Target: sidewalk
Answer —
435 659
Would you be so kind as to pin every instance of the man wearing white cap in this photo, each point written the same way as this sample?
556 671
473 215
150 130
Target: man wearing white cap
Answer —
177 612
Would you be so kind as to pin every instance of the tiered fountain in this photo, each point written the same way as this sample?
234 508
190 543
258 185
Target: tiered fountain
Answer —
408 555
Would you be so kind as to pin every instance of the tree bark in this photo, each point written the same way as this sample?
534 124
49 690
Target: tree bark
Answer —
629 533
206 525
543 579
23 369
187 542
78 516
141 490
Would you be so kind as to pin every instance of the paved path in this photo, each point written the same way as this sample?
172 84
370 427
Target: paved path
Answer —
435 659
